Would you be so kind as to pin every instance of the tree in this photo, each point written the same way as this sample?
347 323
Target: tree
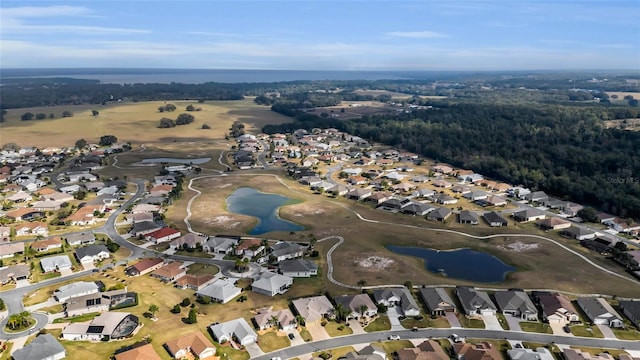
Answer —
67 113
95 112
2 305
588 214
193 316
80 144
166 123
185 302
363 309
190 107
80 194
167 108
153 309
205 126
107 140
184 119
26 116
176 309
41 116
52 115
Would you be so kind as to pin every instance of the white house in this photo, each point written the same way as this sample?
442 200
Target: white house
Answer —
600 312
271 284
221 291
53 263
237 330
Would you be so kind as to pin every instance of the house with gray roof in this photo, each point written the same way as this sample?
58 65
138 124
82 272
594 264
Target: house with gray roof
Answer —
284 250
14 273
314 308
271 284
237 330
85 304
400 296
106 326
600 312
631 310
358 304
437 301
475 302
75 289
283 319
417 208
82 238
439 214
297 268
53 263
529 354
468 217
358 194
219 245
92 253
221 291
517 304
475 195
528 215
494 219
43 347
144 228
536 196
578 233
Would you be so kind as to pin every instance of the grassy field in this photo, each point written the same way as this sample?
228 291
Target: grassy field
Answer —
425 322
336 353
471 323
392 346
381 323
627 334
586 331
270 341
337 329
595 351
538 327
134 122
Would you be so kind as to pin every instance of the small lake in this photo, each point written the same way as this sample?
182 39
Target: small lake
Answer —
195 161
465 264
251 202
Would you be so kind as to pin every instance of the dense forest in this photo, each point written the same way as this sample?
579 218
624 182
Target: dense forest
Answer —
563 150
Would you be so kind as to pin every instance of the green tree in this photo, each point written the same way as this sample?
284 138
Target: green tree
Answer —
185 302
41 116
95 112
67 113
81 144
107 140
176 309
26 116
193 316
190 107
184 119
153 309
166 123
588 214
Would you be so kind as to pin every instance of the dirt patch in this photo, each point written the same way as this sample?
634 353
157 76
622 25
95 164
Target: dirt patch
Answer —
377 262
520 246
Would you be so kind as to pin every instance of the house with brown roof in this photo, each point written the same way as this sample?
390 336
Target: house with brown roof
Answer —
557 308
249 248
24 214
143 351
160 190
282 319
144 266
194 282
170 272
47 244
480 351
427 350
189 240
84 215
553 223
360 305
194 344
8 250
32 228
162 235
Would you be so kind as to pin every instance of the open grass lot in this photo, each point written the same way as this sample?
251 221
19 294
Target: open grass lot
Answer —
337 329
586 331
538 327
627 334
336 353
471 323
134 122
381 323
425 322
392 346
270 341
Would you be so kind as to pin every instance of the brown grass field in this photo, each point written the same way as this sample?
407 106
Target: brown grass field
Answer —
134 122
622 94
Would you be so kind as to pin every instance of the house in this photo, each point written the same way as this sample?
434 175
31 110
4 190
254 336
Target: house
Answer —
160 190
378 197
70 189
48 244
85 215
395 203
423 193
577 354
297 268
553 223
282 319
55 263
145 208
313 309
517 304
106 326
437 301
140 351
494 219
631 310
43 347
237 330
194 282
144 266
189 240
468 217
221 291
600 312
86 304
219 245
556 308
417 208
32 228
571 209
14 273
170 272
142 217
494 200
475 302
444 199
8 250
46 205
92 253
442 169
397 296
442 183
82 238
439 214
360 305
529 354
358 194
164 234
578 233
528 215
369 352
194 344
480 351
5 234
476 195
536 196
19 197
427 350
144 227
25 214
339 190
249 248
285 250
75 289
271 284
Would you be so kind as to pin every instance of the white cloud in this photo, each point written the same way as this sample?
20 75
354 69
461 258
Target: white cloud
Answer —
43 11
416 34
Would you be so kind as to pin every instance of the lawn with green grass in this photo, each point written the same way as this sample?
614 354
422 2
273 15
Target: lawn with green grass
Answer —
627 334
471 323
503 321
337 329
538 327
306 335
79 318
336 353
392 346
227 352
425 322
381 323
586 331
270 341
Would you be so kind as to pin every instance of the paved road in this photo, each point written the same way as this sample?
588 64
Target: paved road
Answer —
296 351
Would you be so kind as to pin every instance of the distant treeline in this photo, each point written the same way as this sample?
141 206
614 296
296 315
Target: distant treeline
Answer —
564 150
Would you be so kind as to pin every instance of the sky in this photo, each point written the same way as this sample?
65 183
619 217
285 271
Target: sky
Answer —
322 35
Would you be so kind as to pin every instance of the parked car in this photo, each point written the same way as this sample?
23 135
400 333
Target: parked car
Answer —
566 329
291 336
394 337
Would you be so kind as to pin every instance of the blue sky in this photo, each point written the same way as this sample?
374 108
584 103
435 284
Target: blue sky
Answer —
322 35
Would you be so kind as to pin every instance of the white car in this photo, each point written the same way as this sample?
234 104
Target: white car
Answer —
394 337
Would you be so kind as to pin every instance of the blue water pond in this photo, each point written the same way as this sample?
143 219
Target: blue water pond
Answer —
251 202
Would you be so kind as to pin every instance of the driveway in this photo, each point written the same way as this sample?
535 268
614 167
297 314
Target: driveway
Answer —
297 339
514 322
254 350
392 313
491 322
607 332
453 320
318 332
557 329
21 283
356 327
65 272
88 266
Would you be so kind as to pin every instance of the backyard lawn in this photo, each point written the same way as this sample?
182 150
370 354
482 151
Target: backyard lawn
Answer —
270 341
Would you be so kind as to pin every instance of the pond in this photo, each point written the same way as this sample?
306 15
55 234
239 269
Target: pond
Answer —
251 202
465 264
195 161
